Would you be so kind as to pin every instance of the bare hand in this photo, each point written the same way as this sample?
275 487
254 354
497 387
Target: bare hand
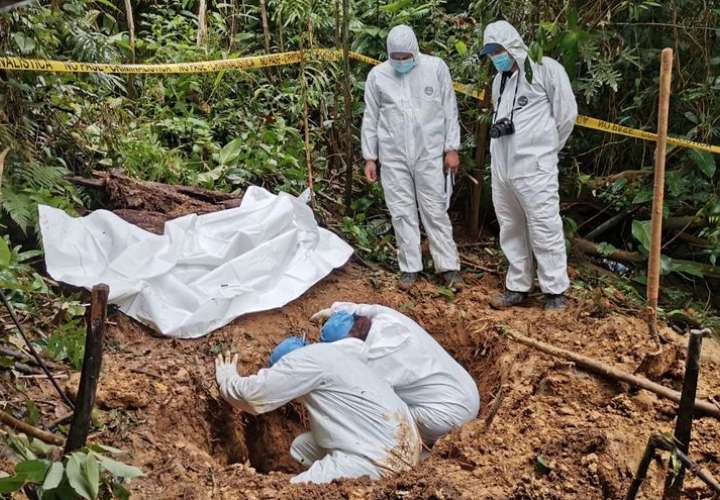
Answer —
371 170
452 161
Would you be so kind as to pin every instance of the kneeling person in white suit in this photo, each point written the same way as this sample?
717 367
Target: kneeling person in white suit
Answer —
442 396
358 425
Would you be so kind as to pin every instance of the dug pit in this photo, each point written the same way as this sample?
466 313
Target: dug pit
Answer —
261 440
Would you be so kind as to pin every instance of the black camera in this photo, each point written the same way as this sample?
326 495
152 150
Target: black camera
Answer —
504 126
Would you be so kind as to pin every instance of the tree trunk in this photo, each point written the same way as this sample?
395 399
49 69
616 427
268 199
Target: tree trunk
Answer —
265 28
481 150
131 34
202 24
348 105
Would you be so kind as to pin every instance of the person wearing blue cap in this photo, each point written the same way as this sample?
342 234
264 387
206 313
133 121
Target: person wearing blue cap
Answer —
534 115
358 425
442 396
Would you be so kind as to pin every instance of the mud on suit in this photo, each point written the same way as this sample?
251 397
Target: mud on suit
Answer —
410 121
358 424
524 165
442 396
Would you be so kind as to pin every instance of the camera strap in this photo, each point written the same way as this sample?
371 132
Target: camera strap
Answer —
503 81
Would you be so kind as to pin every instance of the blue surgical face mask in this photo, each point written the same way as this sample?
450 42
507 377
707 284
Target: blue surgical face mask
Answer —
403 66
503 62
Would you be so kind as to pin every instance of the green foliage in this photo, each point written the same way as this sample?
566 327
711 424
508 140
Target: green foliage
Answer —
17 277
67 343
234 128
88 473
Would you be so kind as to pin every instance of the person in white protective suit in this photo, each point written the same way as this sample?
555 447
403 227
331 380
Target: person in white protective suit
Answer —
442 396
410 122
534 114
358 425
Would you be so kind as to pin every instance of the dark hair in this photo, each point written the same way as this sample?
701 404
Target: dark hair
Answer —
360 327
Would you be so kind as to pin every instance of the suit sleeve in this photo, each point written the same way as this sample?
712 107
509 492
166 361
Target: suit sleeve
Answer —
562 99
450 109
290 378
368 131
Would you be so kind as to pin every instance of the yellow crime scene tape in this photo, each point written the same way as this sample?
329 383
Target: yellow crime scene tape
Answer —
296 57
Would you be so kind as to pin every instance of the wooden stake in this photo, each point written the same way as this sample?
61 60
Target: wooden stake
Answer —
594 366
683 426
92 363
643 467
348 105
653 277
659 442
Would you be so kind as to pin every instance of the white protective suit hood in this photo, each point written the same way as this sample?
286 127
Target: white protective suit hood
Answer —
524 169
503 33
402 39
410 122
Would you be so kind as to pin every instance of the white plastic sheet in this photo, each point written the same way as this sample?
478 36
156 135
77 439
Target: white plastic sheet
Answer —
205 270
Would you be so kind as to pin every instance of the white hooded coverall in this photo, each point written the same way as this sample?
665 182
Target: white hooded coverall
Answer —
524 165
358 424
410 121
442 396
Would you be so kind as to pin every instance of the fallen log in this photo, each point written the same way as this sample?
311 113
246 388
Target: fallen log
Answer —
701 406
28 429
628 175
592 248
174 201
150 204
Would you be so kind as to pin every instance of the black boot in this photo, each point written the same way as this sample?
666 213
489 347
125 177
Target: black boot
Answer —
453 279
407 280
508 298
555 301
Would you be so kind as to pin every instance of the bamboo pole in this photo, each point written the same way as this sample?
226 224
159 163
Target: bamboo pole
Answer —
595 366
92 362
653 278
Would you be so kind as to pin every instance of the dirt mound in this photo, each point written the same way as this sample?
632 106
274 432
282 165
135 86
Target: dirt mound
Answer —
546 430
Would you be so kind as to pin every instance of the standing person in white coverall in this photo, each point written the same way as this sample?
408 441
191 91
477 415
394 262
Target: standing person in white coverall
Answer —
410 122
358 425
442 396
534 114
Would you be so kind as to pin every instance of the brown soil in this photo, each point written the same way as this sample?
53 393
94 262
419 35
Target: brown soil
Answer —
158 400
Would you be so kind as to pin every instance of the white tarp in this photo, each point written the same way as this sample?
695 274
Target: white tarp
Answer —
205 270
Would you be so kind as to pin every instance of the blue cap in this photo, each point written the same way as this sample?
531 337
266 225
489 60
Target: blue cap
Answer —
286 346
490 47
337 326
